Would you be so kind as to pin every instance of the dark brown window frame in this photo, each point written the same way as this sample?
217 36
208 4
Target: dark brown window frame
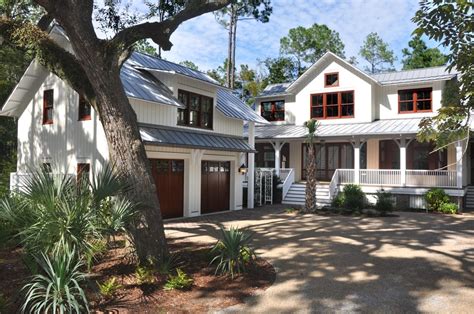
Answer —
414 92
47 106
326 76
339 105
82 107
273 104
199 112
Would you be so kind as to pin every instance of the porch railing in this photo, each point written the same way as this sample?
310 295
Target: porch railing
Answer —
436 178
289 180
380 177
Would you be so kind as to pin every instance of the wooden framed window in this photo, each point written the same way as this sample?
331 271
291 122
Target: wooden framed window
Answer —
85 109
83 171
331 79
273 110
332 105
48 106
198 112
415 100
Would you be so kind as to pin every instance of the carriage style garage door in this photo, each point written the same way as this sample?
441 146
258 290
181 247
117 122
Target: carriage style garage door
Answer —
215 186
169 180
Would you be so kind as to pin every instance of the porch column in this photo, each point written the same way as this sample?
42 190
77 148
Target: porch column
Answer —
403 161
459 157
277 147
356 145
251 167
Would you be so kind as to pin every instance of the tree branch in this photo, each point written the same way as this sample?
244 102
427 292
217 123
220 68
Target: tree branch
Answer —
160 32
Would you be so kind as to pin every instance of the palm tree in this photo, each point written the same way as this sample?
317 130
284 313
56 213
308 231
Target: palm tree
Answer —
310 203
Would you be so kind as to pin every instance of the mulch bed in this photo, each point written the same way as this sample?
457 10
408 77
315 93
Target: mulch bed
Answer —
209 292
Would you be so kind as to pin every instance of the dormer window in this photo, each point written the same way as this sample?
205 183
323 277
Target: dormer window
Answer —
273 110
414 100
198 111
331 79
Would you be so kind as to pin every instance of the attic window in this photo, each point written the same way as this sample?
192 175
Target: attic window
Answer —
48 106
84 109
273 110
198 112
331 79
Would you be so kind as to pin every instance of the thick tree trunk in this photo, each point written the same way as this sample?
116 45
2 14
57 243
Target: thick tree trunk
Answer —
310 202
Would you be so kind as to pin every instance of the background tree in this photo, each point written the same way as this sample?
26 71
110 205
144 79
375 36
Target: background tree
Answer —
94 72
144 46
452 24
280 70
377 53
420 56
252 83
189 64
240 10
219 74
307 45
311 182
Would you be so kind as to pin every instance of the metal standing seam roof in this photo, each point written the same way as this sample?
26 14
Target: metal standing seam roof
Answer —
233 107
379 127
175 137
275 89
409 76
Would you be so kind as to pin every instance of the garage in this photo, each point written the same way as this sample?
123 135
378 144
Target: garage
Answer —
169 180
215 186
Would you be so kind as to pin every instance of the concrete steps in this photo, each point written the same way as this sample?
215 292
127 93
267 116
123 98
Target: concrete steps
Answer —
297 195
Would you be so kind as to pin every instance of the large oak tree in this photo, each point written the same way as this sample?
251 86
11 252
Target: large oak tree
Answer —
93 70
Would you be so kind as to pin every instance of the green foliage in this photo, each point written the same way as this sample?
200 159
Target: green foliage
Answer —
143 46
189 64
339 200
109 287
169 263
3 303
97 249
280 70
435 197
421 56
384 202
145 274
354 198
448 208
180 281
232 252
377 53
57 288
307 45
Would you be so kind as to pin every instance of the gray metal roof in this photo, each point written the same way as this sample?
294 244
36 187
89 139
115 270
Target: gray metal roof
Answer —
176 137
142 85
411 76
375 128
149 62
233 107
275 89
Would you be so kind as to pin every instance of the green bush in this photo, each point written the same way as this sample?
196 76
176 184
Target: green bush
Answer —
232 252
57 288
435 197
168 264
145 275
448 208
181 281
109 287
354 198
338 201
384 202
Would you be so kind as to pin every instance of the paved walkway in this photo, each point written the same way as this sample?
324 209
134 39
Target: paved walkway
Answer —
412 263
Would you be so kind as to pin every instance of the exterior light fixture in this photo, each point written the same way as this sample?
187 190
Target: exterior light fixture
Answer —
243 169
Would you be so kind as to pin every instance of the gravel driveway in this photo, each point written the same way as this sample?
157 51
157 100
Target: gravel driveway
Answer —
415 262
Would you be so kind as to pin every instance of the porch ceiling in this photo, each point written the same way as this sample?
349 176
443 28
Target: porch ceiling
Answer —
379 128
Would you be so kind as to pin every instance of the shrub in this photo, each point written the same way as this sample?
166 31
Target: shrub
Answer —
97 249
384 202
109 287
180 281
354 198
435 197
448 208
168 264
338 201
145 275
232 252
56 288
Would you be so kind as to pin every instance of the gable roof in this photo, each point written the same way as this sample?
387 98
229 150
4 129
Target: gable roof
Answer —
233 107
417 75
278 89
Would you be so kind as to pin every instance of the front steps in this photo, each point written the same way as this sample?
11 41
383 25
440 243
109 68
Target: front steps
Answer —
469 199
297 195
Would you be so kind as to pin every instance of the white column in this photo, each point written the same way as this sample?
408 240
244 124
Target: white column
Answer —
459 157
277 147
357 163
194 188
251 167
403 161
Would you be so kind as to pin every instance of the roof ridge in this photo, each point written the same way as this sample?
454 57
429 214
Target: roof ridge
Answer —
410 70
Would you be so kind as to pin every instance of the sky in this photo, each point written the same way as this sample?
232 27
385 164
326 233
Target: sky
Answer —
203 41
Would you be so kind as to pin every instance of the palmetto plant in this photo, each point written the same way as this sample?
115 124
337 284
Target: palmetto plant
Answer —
56 289
311 182
232 251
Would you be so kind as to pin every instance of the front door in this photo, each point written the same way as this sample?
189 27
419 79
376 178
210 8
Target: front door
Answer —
215 186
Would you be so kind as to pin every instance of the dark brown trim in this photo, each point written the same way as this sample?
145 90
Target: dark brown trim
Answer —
273 110
331 73
324 107
47 106
415 99
199 112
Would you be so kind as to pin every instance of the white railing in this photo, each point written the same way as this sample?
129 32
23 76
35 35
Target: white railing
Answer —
284 172
380 177
334 185
289 180
345 176
430 178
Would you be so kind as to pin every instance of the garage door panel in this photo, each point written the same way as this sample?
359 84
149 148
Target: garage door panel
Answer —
169 181
215 186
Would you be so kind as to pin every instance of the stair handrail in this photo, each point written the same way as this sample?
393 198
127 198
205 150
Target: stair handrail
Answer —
289 180
334 185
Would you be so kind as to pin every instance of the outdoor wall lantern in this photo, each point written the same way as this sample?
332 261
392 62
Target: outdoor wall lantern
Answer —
243 169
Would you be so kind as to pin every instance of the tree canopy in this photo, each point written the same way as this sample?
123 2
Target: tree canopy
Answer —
377 53
418 55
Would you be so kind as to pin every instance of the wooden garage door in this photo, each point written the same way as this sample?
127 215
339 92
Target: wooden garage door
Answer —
169 180
215 186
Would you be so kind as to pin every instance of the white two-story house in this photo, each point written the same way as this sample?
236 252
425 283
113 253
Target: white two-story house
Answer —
368 125
192 128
